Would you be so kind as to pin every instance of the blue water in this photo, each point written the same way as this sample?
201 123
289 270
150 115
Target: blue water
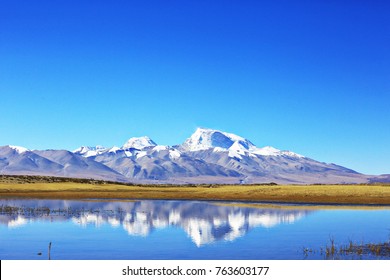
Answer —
152 229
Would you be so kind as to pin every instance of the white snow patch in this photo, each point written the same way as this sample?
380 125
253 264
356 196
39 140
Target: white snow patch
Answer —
219 150
89 154
139 143
90 151
141 154
271 151
237 146
234 154
159 148
128 153
114 149
19 149
174 154
237 150
266 151
291 154
203 139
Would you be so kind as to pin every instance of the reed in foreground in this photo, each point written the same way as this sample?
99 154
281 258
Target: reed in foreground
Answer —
352 250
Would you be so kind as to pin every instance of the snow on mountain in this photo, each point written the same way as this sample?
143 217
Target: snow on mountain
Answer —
207 156
236 146
159 148
114 149
267 151
86 151
19 149
291 154
237 150
81 167
139 143
219 150
128 153
19 161
204 138
141 154
271 151
174 154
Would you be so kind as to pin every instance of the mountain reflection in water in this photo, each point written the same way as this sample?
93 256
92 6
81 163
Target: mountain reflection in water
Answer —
204 222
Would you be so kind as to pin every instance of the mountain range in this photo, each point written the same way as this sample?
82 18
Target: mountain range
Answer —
208 156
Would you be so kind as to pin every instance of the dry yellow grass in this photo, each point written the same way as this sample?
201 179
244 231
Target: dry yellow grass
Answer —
339 194
301 206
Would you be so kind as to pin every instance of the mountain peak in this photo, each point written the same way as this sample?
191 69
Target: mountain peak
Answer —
139 143
205 138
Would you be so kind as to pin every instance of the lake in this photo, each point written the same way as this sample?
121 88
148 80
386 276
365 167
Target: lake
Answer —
159 229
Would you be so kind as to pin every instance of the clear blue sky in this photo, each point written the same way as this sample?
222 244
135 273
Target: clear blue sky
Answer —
308 76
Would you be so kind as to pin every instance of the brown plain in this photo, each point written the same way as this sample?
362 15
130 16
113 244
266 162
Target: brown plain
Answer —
328 194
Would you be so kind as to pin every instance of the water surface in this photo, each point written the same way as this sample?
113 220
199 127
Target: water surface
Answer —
157 229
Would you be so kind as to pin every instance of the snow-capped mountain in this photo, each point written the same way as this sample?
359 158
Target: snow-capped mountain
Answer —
204 139
236 146
139 143
207 156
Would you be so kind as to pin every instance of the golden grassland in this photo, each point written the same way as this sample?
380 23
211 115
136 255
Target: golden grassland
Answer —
303 206
327 194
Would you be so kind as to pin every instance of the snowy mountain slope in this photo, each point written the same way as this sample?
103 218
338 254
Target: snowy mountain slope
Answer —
203 139
53 163
18 149
74 165
22 161
236 146
90 151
